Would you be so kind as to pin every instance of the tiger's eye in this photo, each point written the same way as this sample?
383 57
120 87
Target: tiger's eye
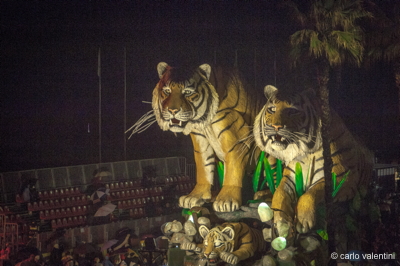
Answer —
271 109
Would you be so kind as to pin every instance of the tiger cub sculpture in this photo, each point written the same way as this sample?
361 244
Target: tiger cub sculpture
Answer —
289 128
217 109
231 242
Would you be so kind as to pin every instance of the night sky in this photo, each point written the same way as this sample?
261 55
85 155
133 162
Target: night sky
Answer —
50 88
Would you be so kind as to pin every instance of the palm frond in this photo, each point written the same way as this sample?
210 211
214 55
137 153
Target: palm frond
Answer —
294 12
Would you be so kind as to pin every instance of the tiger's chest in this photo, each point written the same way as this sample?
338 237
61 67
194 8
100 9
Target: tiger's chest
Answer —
211 134
312 167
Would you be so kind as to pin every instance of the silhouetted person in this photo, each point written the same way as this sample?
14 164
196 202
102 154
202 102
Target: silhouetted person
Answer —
56 256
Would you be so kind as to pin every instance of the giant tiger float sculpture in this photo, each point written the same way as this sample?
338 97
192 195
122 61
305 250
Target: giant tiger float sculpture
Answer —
217 109
289 128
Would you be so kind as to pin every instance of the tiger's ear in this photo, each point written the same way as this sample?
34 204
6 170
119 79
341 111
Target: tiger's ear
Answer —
203 231
161 68
228 231
269 90
206 68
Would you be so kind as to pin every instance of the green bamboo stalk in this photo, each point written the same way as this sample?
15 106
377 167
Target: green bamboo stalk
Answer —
257 172
269 175
340 184
220 170
308 175
334 180
299 180
278 173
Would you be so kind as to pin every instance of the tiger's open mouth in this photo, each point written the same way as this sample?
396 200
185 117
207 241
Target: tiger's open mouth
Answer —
279 141
214 261
175 122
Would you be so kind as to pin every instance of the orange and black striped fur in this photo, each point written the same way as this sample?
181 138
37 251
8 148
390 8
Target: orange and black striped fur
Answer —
217 109
231 242
289 128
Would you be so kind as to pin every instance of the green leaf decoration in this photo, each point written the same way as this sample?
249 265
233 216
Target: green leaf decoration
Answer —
299 180
269 176
186 212
279 172
253 201
257 172
334 179
336 190
323 234
220 169
262 186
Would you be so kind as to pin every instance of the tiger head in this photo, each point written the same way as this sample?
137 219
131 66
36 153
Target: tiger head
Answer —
218 239
184 100
288 127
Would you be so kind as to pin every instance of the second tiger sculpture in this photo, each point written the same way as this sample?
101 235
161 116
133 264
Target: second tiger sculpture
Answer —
216 108
289 128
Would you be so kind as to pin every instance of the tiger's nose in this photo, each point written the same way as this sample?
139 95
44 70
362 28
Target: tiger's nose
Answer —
277 127
173 111
206 254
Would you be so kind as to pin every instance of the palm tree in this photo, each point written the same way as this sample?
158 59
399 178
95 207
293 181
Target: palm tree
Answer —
383 42
331 36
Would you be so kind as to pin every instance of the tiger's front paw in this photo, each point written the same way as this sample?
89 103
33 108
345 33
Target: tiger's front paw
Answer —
199 195
229 199
229 257
306 218
190 246
305 223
